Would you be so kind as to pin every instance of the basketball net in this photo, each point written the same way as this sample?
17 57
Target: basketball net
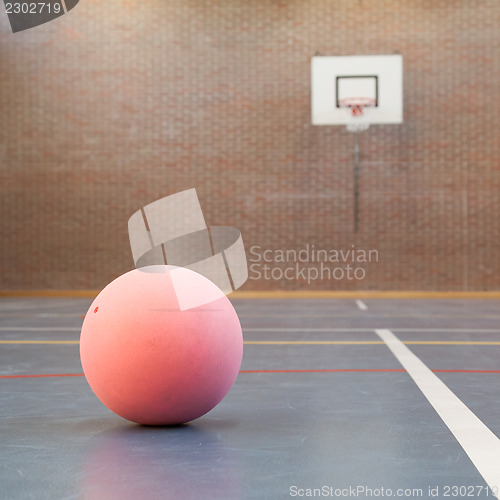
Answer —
357 105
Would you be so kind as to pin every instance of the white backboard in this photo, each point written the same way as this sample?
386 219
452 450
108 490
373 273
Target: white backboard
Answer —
379 78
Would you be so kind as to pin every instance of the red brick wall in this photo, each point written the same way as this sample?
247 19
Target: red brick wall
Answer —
119 103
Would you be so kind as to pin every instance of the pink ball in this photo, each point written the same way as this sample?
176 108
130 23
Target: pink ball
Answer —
151 362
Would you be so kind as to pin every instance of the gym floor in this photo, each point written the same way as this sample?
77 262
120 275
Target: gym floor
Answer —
322 405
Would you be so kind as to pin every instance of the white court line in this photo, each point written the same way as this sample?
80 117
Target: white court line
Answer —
361 305
480 444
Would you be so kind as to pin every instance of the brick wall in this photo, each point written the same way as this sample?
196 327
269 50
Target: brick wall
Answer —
119 103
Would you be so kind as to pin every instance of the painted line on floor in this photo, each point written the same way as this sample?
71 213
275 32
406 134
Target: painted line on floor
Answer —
478 442
335 370
313 342
338 370
367 370
374 316
290 342
43 375
291 294
272 329
21 313
58 315
248 342
363 294
450 342
22 306
361 305
449 330
39 329
465 371
24 314
24 342
332 330
59 294
370 342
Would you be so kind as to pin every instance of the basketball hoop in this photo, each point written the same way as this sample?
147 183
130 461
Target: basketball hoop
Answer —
357 106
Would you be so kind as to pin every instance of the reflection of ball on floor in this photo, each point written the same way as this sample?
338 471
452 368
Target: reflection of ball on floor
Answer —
152 363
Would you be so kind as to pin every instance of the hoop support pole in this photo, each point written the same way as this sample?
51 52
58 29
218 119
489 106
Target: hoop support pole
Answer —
356 181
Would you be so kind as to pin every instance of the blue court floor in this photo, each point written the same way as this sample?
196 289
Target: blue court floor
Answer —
335 399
